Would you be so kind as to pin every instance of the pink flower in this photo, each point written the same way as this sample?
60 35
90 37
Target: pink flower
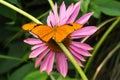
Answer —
46 52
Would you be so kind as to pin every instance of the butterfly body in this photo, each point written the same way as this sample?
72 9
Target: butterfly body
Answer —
45 33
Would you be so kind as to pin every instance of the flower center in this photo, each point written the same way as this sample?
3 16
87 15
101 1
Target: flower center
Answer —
53 46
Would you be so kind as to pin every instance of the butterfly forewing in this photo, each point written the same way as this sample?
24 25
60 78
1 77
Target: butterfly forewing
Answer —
29 26
62 32
76 26
44 32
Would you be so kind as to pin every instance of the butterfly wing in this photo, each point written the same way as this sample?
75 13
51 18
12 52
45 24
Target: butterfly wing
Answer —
29 26
62 32
76 26
44 32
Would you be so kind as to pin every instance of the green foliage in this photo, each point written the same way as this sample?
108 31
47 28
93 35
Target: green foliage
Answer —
15 50
7 12
36 75
14 53
20 73
109 7
15 2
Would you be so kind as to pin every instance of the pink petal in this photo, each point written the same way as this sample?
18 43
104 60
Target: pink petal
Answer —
50 63
83 32
77 37
78 61
40 57
62 13
48 20
55 10
47 63
80 51
69 10
51 21
61 64
37 46
37 51
84 18
68 13
32 41
55 14
34 35
82 45
75 13
78 56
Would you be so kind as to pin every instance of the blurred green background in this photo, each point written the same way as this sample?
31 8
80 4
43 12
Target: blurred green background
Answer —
14 61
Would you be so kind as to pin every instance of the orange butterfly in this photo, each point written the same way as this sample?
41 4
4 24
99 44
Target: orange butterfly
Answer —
45 33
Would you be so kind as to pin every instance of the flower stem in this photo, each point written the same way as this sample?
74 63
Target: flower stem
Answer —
51 4
100 43
83 76
20 11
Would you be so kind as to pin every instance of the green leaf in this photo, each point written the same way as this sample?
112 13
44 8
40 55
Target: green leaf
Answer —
16 2
36 75
109 7
67 2
7 12
94 8
2 77
84 6
67 78
58 76
16 50
22 71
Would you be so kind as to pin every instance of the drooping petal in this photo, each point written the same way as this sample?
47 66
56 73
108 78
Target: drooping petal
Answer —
82 20
78 56
33 41
61 64
50 64
40 57
77 37
34 35
75 13
47 63
37 46
81 45
84 32
78 61
80 51
37 51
